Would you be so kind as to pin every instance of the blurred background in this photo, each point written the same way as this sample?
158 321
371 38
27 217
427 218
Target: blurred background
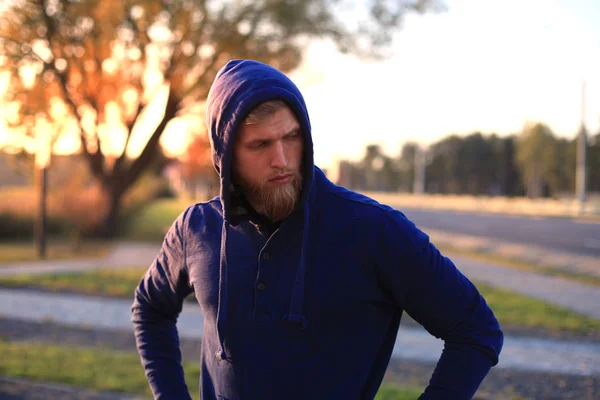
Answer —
480 120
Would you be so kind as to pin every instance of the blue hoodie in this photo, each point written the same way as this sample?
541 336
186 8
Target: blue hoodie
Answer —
308 309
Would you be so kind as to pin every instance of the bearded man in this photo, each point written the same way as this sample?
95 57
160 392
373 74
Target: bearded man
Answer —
302 283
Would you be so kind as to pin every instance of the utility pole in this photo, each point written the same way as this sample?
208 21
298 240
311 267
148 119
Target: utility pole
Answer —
581 173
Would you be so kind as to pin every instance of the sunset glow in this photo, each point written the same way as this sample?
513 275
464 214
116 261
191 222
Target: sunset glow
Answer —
481 66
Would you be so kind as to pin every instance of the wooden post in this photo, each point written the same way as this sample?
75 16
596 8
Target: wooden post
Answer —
42 160
40 224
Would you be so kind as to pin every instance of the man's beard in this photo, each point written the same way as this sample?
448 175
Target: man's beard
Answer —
275 202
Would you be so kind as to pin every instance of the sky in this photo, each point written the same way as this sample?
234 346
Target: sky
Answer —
482 65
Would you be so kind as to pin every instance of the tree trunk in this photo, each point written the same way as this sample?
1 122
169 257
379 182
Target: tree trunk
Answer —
110 223
116 183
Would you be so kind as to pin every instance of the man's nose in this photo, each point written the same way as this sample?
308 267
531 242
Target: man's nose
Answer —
279 159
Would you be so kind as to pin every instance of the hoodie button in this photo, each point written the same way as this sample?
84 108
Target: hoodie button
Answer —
261 286
266 255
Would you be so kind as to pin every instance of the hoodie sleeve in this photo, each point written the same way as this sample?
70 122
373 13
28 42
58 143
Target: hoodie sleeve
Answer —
157 303
436 294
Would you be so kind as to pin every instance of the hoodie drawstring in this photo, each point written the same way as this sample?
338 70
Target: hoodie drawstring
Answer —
222 299
296 305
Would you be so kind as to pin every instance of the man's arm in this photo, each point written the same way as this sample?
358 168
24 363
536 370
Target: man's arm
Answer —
436 294
157 304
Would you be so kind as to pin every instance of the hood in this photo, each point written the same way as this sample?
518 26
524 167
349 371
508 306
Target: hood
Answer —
239 87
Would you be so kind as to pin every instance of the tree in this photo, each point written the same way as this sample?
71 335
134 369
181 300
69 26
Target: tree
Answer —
350 175
478 173
406 166
118 69
443 172
536 156
475 164
593 164
508 174
379 170
562 177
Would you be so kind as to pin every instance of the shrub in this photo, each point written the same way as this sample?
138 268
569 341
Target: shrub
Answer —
18 227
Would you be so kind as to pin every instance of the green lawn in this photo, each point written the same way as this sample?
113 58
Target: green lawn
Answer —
153 221
512 309
89 368
107 370
105 282
56 249
518 310
394 392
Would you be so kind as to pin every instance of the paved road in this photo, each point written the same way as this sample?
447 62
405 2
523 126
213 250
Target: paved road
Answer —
561 234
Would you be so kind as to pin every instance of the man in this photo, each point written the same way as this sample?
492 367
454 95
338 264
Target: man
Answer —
302 283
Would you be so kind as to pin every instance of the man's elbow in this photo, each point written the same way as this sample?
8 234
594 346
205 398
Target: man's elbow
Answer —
498 341
481 331
488 336
141 310
493 341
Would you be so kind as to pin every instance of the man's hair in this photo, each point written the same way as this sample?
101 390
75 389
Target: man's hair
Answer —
263 111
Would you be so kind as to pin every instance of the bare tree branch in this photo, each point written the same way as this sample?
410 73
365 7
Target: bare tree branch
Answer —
201 79
96 158
151 147
205 17
30 52
121 159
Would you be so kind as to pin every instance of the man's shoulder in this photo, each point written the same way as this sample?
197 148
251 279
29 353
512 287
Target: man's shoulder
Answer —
339 204
213 204
203 213
334 200
339 196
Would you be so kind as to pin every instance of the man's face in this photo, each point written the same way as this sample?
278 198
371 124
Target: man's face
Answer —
267 161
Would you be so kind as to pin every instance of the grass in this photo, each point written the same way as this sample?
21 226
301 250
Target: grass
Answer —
11 252
394 392
153 221
82 367
518 310
107 370
511 309
522 266
105 282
